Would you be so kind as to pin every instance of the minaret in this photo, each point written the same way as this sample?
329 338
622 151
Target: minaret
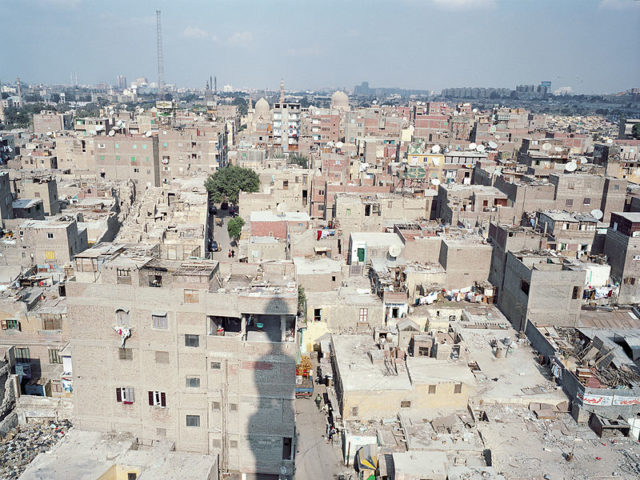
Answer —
19 92
250 103
281 92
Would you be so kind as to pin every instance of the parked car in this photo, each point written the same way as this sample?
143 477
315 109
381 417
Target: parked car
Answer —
213 210
213 246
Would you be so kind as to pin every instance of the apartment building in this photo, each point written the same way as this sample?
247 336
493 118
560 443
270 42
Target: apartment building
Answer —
124 157
622 248
541 288
48 121
200 353
33 319
50 243
43 187
286 125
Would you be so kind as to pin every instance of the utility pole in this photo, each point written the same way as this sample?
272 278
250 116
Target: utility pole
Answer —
160 57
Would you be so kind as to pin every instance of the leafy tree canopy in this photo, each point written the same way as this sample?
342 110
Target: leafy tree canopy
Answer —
227 183
636 131
300 160
234 227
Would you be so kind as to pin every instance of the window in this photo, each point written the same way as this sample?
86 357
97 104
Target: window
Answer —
122 317
52 324
10 324
161 432
286 448
23 355
587 201
125 354
132 476
157 399
123 276
354 411
405 404
457 388
162 357
215 365
571 185
191 340
190 296
159 321
317 314
102 158
569 202
233 444
616 187
233 407
364 313
285 184
54 356
133 159
49 235
524 286
576 293
124 395
215 405
423 352
193 382
193 420
432 389
348 211
50 255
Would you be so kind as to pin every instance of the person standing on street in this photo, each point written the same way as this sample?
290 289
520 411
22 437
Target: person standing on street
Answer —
318 401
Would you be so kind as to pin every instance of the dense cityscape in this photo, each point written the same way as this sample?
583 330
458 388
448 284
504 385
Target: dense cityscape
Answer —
367 282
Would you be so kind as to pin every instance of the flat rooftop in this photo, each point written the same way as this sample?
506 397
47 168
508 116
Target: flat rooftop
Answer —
268 216
89 455
316 266
358 373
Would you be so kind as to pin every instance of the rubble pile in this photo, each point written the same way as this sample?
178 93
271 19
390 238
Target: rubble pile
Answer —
23 443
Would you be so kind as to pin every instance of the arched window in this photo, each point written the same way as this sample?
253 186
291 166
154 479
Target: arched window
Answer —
122 317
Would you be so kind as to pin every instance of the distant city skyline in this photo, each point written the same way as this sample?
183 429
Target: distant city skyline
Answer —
588 45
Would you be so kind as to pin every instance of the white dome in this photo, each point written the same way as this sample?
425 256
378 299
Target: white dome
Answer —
339 100
262 107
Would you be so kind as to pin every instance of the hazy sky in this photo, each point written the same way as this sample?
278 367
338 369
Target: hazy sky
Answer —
590 45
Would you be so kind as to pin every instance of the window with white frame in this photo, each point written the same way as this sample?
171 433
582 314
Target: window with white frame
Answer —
157 399
125 395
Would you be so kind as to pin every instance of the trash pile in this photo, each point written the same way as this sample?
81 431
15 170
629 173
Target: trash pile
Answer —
22 444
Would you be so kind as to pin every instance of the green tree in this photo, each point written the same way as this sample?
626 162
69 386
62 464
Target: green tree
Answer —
636 131
300 160
234 227
227 183
242 105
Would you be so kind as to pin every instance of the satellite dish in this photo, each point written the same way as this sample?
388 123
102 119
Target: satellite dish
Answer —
497 137
148 133
112 133
329 143
472 146
492 129
597 214
435 181
435 149
558 149
436 161
583 160
480 148
546 147
493 145
339 144
475 110
394 251
571 167
609 140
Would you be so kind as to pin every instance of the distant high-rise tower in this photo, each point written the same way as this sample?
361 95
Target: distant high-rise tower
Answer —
122 82
160 57
215 85
2 117
19 92
281 91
